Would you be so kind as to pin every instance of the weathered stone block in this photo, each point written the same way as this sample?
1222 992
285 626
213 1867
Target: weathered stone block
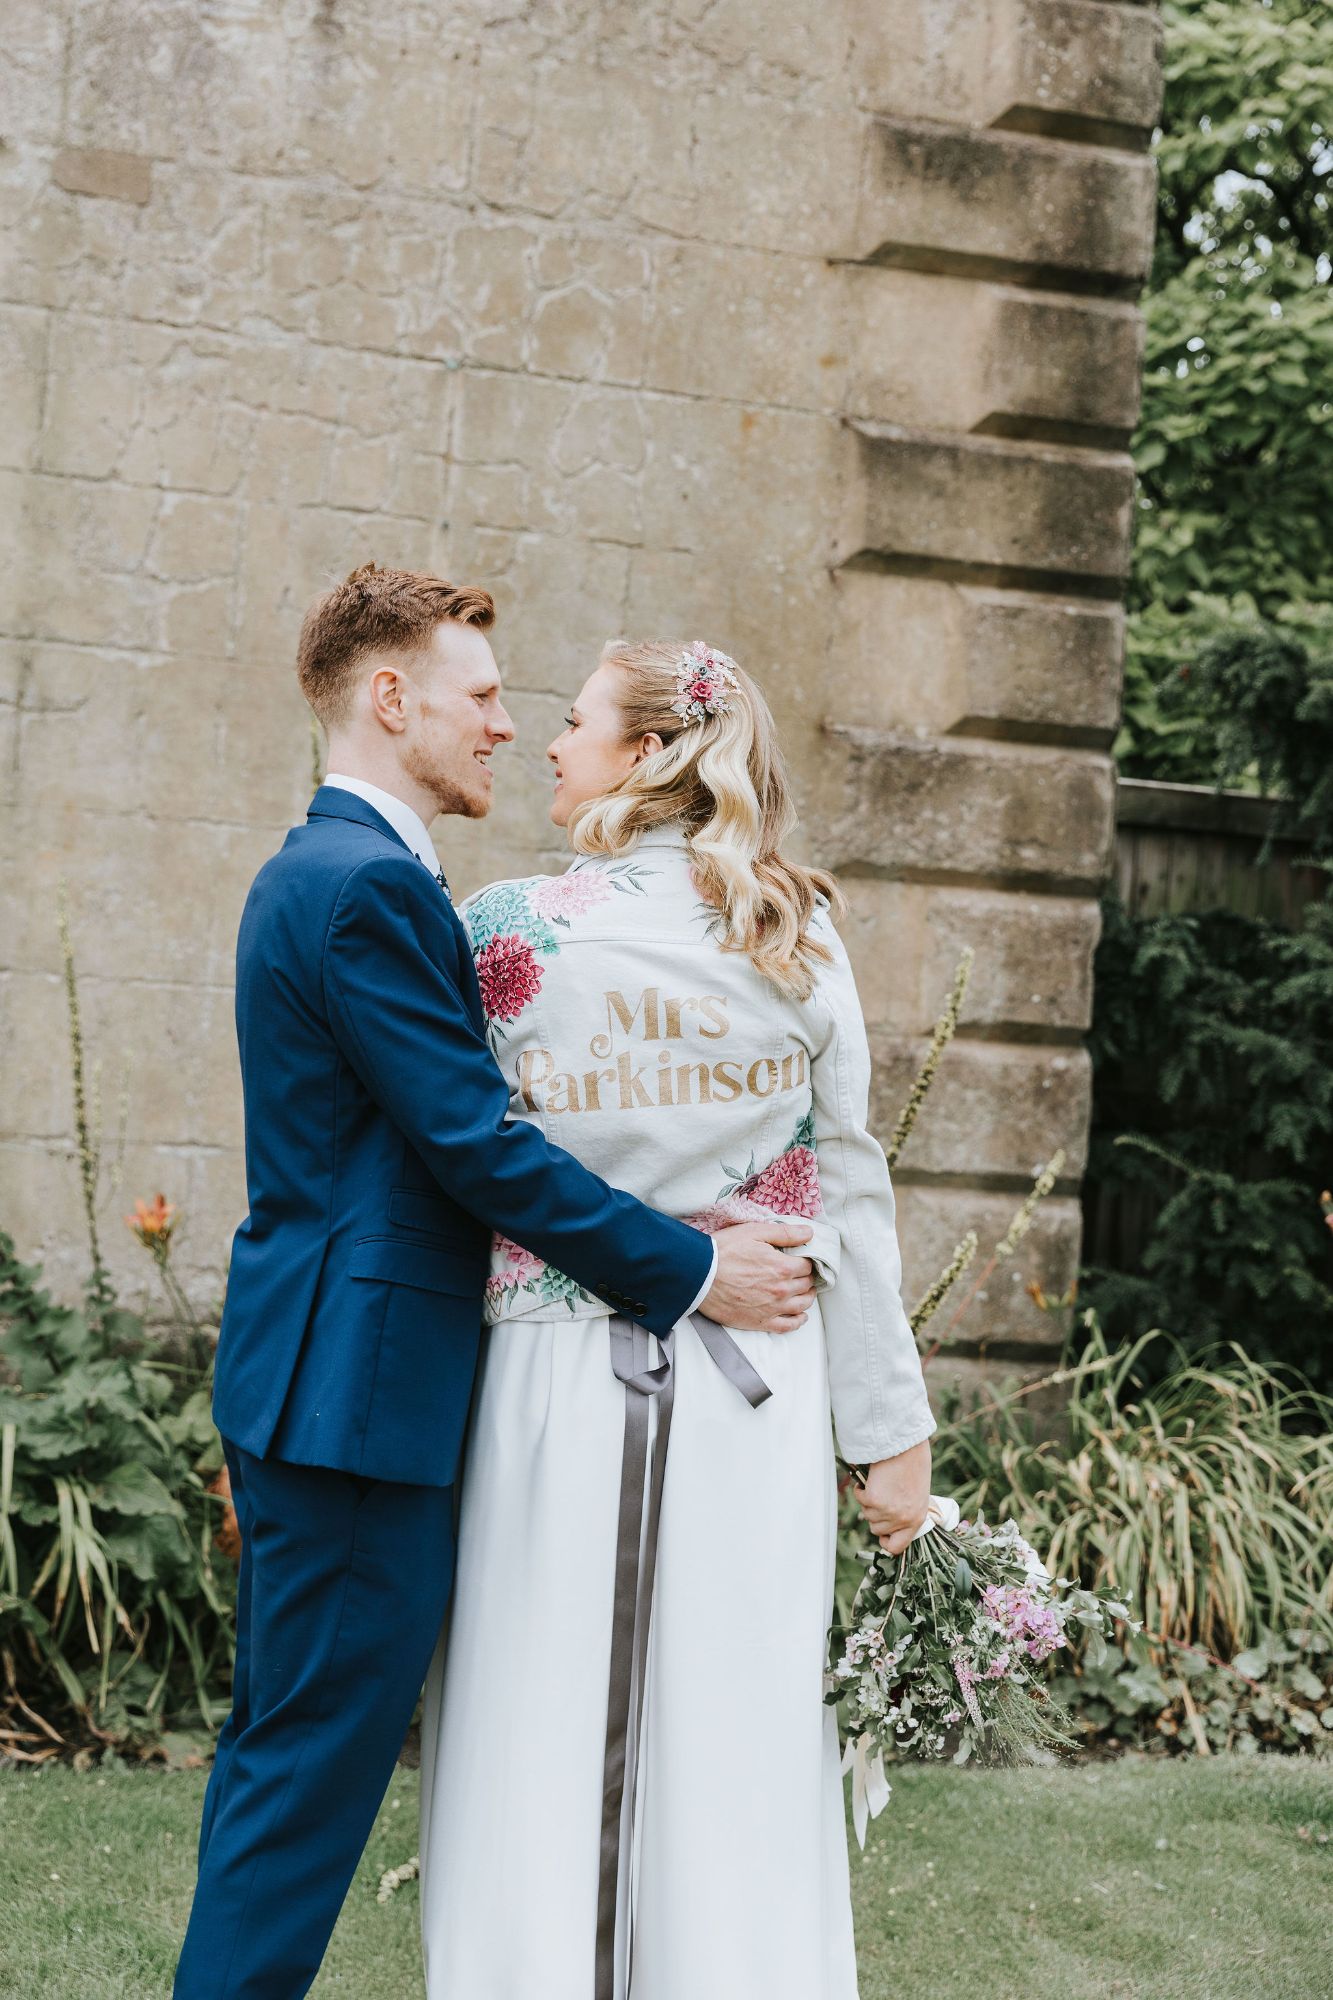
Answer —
955 354
994 1311
290 554
161 900
195 539
921 656
22 375
1077 68
183 723
115 176
760 328
1006 512
996 1113
1031 974
103 598
934 197
31 75
1012 816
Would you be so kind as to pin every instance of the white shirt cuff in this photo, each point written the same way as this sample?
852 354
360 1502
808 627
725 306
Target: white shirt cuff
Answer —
706 1287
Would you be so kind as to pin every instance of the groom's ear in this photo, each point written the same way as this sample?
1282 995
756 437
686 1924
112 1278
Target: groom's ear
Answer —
387 698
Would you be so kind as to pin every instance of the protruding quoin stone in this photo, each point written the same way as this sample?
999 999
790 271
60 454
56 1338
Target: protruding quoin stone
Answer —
1079 69
922 655
990 509
931 351
1003 204
1012 814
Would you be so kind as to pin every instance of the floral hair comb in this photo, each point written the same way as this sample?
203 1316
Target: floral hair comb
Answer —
702 679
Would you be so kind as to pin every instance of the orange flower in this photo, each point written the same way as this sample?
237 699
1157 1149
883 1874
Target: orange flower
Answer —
153 1222
227 1540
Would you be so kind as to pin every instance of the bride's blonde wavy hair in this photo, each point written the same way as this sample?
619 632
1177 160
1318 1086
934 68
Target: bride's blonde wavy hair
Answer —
723 780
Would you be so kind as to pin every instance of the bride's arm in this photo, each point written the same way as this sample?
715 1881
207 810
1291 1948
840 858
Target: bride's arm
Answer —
880 1406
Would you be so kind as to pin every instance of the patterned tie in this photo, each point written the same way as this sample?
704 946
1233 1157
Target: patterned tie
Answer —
440 878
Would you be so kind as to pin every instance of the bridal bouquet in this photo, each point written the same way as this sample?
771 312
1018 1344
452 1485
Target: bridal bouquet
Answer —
940 1655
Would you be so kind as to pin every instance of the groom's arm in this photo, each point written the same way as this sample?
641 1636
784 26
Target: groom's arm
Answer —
399 1016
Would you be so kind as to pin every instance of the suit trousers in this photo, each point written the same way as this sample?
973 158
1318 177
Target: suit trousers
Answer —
343 1586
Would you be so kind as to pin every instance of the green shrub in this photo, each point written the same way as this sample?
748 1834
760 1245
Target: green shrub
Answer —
115 1613
1212 1051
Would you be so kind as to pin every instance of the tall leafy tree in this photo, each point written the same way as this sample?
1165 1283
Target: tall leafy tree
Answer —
1212 1042
1235 447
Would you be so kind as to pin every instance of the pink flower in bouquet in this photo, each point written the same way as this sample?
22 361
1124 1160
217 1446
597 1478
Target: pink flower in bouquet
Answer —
1028 1621
570 895
509 976
963 1676
520 1264
790 1186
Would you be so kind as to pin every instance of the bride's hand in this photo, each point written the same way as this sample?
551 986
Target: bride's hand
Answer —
895 1496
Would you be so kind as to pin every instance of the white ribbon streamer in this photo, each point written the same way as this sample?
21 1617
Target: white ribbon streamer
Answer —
870 1787
941 1512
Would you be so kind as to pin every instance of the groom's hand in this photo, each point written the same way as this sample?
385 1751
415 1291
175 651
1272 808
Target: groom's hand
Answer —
759 1286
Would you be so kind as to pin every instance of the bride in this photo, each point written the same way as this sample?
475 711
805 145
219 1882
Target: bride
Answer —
630 1782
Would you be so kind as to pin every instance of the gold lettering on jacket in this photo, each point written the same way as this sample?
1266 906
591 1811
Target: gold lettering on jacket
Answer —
639 1079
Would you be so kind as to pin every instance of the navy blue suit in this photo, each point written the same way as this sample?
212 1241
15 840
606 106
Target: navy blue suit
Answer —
378 1156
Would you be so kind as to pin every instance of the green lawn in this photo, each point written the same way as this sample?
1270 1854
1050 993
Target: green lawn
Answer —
1143 1880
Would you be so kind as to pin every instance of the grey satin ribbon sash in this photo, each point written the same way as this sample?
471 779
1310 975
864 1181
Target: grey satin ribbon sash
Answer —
636 1567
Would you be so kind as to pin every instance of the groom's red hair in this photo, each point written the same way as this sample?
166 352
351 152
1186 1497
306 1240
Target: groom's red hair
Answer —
376 610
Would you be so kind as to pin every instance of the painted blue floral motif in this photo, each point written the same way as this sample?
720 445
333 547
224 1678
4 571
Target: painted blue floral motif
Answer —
510 927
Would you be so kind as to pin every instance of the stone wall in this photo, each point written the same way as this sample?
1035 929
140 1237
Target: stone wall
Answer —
804 327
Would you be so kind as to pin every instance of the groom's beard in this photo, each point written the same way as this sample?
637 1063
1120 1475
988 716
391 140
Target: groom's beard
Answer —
465 796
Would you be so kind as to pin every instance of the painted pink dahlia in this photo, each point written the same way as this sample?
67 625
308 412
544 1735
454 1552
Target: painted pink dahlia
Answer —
520 1264
570 895
790 1186
721 1214
509 976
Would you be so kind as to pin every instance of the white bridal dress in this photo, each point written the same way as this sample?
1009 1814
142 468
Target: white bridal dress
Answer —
677 1072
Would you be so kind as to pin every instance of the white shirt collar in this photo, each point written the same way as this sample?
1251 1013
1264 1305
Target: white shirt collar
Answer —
405 823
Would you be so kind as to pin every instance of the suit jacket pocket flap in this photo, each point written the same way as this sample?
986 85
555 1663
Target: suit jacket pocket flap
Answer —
413 1208
419 1264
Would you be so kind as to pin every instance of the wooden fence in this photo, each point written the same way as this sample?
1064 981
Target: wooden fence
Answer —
1185 847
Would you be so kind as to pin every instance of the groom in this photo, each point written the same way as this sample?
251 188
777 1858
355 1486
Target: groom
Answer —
379 1159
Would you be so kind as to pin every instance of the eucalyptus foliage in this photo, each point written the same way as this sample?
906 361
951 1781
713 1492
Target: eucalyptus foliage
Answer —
115 1613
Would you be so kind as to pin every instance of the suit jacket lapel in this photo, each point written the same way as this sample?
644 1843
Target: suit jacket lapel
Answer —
332 802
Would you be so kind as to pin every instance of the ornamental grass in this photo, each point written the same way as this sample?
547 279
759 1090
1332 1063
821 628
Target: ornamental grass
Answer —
1206 1499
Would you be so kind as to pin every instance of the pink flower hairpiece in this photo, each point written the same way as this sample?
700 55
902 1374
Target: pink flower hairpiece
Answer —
702 679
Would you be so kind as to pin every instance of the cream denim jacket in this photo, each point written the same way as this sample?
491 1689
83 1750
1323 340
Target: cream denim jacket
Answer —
672 1068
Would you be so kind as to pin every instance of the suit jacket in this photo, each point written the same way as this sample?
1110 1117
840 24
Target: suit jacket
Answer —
379 1158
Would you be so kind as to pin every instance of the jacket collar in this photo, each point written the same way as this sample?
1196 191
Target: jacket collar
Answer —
662 836
332 802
